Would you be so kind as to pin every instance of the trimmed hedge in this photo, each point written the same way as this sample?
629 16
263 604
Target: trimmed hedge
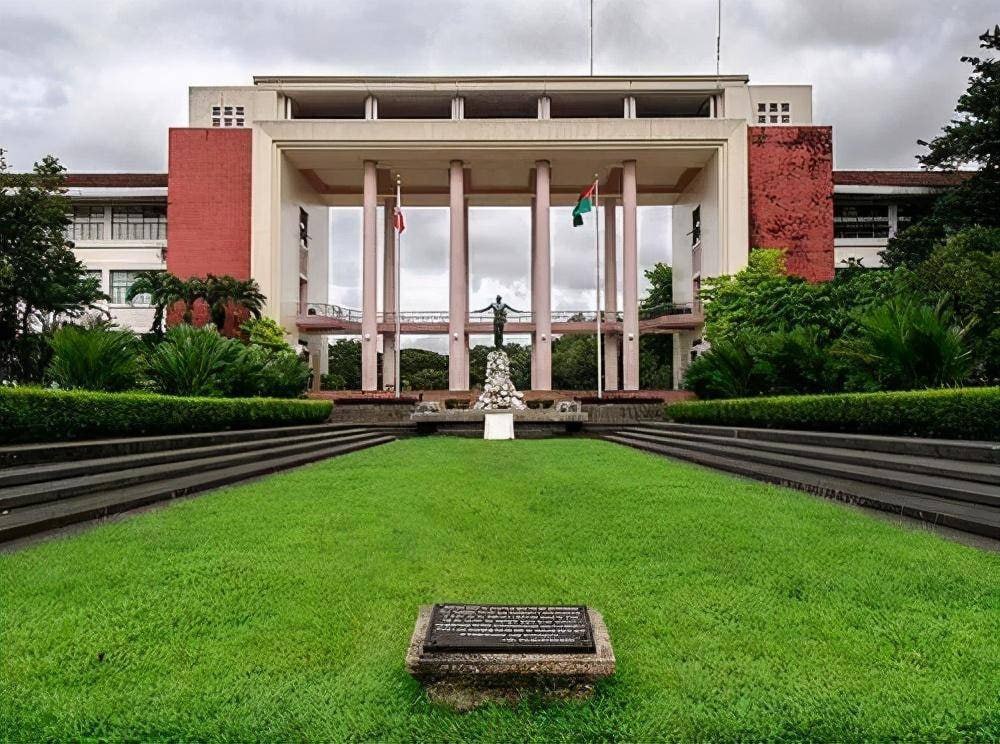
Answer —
949 413
36 414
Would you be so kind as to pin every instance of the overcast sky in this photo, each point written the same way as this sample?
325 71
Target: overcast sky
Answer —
98 83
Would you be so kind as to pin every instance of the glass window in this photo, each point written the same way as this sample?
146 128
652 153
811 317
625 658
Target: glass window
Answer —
140 222
762 119
120 283
762 107
87 223
908 214
786 107
696 225
861 221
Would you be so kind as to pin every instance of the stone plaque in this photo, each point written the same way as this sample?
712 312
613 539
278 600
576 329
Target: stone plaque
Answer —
510 629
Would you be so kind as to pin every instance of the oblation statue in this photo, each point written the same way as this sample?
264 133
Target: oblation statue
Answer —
499 308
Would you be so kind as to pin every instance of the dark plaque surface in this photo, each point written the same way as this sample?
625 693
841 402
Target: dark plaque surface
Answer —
511 629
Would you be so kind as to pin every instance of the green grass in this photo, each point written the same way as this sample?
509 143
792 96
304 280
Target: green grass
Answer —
281 609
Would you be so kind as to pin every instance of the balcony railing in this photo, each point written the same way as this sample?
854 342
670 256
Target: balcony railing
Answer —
350 315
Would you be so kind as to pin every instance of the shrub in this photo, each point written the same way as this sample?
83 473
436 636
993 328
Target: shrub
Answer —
727 370
95 358
268 372
193 361
36 414
958 413
902 345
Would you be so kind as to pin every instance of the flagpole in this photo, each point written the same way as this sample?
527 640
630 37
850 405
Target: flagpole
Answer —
399 243
597 275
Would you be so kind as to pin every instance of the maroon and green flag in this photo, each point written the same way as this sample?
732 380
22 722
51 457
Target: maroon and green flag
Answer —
584 204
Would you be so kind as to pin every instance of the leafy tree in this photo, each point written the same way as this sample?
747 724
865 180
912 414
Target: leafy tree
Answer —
421 369
574 362
189 291
223 293
40 278
264 331
965 273
344 362
903 345
971 138
96 358
661 287
163 288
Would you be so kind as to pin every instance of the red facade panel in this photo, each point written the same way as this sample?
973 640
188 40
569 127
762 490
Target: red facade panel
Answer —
208 205
791 196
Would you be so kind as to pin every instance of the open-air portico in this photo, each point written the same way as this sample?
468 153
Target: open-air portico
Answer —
535 164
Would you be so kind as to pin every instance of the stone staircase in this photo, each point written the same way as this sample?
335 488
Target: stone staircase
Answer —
46 486
946 482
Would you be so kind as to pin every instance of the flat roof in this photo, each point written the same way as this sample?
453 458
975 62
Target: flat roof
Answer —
486 79
939 179
116 180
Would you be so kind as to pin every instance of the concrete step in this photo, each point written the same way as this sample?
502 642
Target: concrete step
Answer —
30 520
981 472
35 493
975 518
27 454
951 449
943 487
43 472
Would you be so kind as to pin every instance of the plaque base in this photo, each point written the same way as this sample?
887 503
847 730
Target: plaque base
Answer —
464 681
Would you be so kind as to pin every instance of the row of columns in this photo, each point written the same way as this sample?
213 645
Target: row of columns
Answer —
541 282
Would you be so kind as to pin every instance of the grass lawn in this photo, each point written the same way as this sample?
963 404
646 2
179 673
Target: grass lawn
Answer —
281 609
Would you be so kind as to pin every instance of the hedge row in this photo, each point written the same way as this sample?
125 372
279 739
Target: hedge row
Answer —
963 413
35 414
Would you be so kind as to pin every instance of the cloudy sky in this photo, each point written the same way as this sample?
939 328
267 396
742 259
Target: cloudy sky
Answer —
98 84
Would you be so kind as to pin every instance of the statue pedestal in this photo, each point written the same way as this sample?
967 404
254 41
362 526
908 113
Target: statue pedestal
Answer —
498 426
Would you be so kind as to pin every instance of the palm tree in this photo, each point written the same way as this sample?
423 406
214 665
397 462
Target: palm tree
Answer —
225 292
163 288
189 291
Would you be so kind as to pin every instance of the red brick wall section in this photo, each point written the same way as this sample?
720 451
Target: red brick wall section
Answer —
791 196
208 206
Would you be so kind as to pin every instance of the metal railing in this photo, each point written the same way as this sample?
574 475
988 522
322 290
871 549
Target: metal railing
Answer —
324 310
351 315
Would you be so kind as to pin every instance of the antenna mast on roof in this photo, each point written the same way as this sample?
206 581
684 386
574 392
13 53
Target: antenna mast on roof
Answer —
592 38
718 41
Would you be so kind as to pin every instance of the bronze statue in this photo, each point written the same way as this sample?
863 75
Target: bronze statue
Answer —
499 308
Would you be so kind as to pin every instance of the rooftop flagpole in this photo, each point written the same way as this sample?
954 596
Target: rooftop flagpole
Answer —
597 275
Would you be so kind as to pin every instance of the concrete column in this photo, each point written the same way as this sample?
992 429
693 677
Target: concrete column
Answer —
630 279
683 341
541 282
610 295
389 295
458 283
315 363
369 280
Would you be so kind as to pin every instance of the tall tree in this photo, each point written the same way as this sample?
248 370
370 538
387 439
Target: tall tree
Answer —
40 278
972 138
163 288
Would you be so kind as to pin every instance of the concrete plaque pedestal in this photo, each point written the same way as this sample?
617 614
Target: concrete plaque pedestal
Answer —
498 426
466 680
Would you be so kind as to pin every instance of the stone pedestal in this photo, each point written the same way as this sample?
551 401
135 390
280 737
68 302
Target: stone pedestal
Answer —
498 426
465 681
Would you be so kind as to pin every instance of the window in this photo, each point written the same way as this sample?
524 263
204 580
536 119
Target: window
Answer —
303 228
696 225
768 112
140 222
861 221
228 116
120 283
87 223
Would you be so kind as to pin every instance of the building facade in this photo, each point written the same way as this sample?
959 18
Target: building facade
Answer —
251 180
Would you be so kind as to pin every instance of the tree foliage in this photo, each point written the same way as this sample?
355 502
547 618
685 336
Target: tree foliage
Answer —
40 278
95 358
971 138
